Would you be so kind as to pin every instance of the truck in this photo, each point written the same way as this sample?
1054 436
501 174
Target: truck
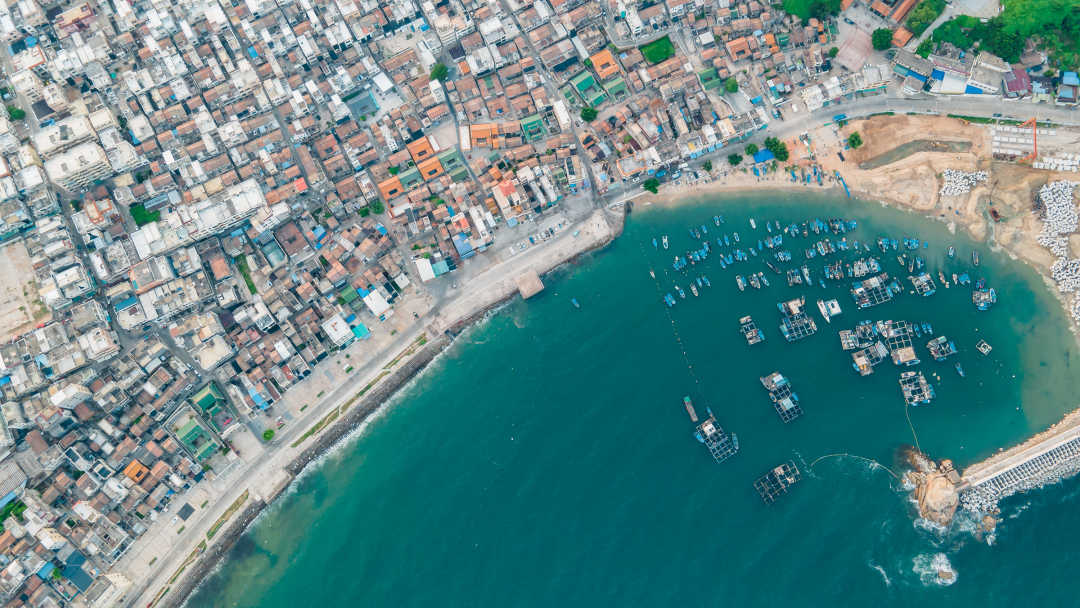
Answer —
839 117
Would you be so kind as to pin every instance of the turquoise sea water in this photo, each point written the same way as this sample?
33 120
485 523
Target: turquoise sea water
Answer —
547 460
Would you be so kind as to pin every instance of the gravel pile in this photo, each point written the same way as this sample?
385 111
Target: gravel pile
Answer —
959 182
1057 208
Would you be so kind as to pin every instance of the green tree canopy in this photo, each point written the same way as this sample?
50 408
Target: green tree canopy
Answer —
751 149
439 72
881 39
588 114
652 185
823 9
834 51
734 159
377 207
854 140
777 147
707 166
925 13
16 113
731 85
268 434
925 47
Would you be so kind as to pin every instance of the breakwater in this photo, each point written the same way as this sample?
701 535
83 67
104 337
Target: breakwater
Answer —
357 414
177 595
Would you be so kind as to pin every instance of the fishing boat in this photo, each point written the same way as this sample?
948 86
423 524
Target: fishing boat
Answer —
761 275
900 259
993 296
698 282
726 241
822 281
759 244
753 252
929 328
665 242
669 300
925 244
805 232
893 244
773 267
975 257
806 274
954 278
856 244
752 224
723 264
652 273
952 251
754 282
716 218
704 229
980 283
682 294
777 224
941 276
654 243
768 226
693 289
741 282
706 279
866 247
697 235
721 219
959 370
824 310
691 233
883 244
918 332
574 300
736 237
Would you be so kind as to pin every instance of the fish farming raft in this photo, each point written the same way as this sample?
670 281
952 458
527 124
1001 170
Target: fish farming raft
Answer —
751 331
916 389
776 482
785 401
720 445
796 323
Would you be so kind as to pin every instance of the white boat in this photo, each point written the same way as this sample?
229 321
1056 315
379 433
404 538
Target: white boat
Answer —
752 224
665 242
824 310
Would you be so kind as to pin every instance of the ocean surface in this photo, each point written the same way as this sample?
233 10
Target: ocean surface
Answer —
546 459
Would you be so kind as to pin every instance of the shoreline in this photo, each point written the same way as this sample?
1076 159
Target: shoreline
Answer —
383 391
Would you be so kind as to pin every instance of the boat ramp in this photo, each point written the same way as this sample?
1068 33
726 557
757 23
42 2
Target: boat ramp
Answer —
916 389
776 482
796 324
751 331
785 401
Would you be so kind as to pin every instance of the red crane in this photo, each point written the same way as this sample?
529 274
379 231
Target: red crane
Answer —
1034 138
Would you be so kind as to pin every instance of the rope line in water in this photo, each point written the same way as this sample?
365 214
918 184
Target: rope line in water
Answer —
860 458
667 310
906 406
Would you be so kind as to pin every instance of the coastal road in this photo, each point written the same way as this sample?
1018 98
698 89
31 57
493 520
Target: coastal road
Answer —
263 467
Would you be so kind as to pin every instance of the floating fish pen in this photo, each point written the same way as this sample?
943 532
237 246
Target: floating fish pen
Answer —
714 438
777 481
864 335
941 348
983 347
983 298
797 324
867 358
872 291
924 284
916 389
751 331
794 277
785 401
897 335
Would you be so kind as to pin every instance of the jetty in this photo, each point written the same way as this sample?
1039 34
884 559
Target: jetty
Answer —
714 437
941 348
785 401
916 389
751 331
924 284
796 323
872 291
776 482
897 335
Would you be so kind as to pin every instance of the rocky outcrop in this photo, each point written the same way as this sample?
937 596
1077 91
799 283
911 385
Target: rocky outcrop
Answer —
937 497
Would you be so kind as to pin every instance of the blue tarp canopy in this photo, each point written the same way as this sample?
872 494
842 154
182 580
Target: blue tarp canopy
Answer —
937 74
970 90
763 156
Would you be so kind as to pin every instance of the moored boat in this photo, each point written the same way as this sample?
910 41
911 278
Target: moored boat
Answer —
761 275
959 370
824 310
736 237
716 218
574 300
752 224
654 243
690 408
682 294
741 281
652 273
693 289
975 257
952 251
704 278
665 241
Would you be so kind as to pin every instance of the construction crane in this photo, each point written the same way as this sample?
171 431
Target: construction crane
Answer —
1033 123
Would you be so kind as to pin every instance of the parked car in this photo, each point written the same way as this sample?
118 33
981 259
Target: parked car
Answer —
848 21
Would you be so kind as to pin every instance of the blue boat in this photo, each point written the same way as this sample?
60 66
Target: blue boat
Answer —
893 243
574 300
716 219
706 279
704 229
654 243
726 241
723 264
719 242
822 281
952 252
993 296
736 237
759 245
721 219
691 233
959 370
682 294
918 332
929 328
729 259
925 244
980 283
699 282
753 251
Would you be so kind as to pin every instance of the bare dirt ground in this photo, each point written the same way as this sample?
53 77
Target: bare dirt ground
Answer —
20 308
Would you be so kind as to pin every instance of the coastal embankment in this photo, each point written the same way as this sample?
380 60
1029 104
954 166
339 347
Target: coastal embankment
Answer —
488 293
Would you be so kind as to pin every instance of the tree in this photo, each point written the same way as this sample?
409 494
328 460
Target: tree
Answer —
823 9
707 166
16 113
588 62
589 114
377 207
751 149
439 72
734 159
777 147
731 85
854 140
833 52
652 185
924 49
923 15
881 39
268 434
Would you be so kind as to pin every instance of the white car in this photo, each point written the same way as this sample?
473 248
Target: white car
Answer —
794 108
174 520
512 251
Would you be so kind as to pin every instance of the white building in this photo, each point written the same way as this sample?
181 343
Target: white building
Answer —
79 166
